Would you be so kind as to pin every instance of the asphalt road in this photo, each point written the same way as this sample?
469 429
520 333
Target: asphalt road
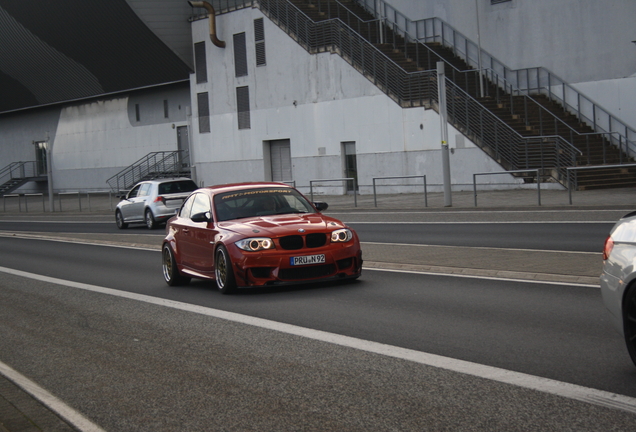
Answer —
130 365
552 331
564 236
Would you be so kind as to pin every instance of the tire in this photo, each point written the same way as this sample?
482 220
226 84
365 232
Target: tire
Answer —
119 220
223 271
150 220
169 268
629 321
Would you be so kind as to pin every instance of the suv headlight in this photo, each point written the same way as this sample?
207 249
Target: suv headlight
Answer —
341 235
255 244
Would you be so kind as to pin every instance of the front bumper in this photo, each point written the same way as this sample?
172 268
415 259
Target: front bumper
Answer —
273 267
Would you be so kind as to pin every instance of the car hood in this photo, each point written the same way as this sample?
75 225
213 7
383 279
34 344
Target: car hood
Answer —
282 225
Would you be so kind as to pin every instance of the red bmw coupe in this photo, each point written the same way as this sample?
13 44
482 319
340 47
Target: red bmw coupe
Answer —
256 234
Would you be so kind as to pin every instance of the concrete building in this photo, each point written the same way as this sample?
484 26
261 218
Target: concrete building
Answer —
140 76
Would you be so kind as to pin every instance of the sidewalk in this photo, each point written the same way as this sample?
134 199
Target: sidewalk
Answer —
465 200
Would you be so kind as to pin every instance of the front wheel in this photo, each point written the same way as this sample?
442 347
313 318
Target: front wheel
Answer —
629 322
223 272
169 267
119 220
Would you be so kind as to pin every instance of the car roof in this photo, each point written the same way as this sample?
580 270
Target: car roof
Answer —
165 180
242 186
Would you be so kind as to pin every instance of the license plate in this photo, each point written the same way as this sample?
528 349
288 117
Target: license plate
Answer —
308 259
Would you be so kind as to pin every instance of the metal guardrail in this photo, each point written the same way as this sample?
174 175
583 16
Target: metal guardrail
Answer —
375 201
81 195
536 171
585 168
355 187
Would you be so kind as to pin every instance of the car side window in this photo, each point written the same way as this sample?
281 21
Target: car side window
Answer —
187 206
134 192
201 204
145 189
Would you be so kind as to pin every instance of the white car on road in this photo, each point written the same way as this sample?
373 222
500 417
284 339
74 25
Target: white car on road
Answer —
153 202
618 284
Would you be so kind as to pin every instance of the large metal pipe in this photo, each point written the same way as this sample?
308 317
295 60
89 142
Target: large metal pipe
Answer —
212 17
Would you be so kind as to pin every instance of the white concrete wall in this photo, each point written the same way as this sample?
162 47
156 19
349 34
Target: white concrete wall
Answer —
316 101
96 140
578 40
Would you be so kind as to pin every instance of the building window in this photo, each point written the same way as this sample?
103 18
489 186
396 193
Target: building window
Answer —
201 67
243 107
137 116
165 109
204 112
240 55
259 38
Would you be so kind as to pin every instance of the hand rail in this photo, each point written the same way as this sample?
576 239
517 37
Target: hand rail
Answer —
509 172
585 168
355 187
154 164
375 201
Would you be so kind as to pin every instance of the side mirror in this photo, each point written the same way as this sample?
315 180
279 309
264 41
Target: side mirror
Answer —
202 217
321 206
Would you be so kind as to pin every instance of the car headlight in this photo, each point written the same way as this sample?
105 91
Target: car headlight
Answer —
255 244
341 235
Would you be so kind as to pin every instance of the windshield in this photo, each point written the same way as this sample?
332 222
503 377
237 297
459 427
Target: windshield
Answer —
259 202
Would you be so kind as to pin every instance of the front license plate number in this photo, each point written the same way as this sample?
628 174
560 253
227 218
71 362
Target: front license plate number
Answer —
308 259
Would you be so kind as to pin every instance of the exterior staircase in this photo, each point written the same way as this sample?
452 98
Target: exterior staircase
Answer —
518 130
154 165
17 174
531 117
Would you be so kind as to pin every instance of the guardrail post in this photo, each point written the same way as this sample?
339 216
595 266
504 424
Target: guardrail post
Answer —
375 201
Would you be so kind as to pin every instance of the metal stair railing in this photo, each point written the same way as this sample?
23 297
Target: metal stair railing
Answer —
528 81
514 151
153 165
16 171
505 93
503 143
404 87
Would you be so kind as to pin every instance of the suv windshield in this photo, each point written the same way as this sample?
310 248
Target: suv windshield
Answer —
259 202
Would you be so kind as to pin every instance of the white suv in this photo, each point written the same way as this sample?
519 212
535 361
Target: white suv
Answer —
153 202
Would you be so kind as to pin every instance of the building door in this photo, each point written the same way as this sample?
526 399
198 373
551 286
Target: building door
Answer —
280 154
40 158
350 165
183 144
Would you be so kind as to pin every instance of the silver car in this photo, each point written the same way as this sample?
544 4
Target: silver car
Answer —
153 202
617 281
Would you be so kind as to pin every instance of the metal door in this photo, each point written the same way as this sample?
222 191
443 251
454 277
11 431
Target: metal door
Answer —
280 153
350 164
183 144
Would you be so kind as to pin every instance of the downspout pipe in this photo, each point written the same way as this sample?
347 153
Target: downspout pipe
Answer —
212 17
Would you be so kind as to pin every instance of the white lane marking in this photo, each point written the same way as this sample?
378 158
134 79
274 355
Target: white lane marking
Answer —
493 278
71 416
571 391
482 248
